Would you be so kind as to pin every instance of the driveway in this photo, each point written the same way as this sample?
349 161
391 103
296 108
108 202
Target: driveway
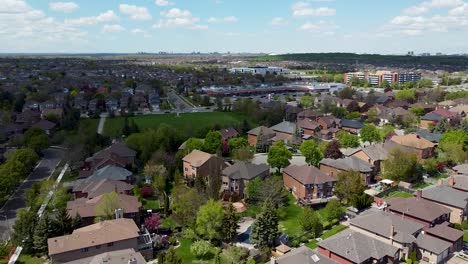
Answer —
42 171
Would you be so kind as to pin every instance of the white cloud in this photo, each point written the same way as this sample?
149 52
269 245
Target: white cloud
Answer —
426 6
301 9
163 3
65 7
113 28
176 17
278 21
461 10
319 27
140 31
14 6
107 16
223 19
135 12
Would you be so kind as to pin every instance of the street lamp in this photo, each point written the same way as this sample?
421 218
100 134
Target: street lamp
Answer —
8 225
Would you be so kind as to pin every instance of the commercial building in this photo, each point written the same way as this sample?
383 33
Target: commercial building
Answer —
259 70
379 77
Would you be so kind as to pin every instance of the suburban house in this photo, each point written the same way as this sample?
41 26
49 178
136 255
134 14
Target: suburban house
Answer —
434 117
433 137
418 210
351 125
117 154
431 249
327 122
373 154
454 200
389 228
309 127
99 238
92 189
448 234
308 184
227 134
302 255
201 163
45 125
108 172
334 166
458 182
353 247
285 131
236 177
423 148
309 114
87 208
461 169
124 256
260 133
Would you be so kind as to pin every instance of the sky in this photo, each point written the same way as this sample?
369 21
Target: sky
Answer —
279 26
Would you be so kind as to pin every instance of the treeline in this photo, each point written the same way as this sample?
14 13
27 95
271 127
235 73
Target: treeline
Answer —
15 169
449 62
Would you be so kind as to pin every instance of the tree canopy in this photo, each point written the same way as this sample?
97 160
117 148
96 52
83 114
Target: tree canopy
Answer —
209 221
370 133
311 152
347 140
349 185
279 156
401 166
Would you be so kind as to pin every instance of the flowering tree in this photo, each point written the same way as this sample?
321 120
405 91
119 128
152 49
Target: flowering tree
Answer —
153 222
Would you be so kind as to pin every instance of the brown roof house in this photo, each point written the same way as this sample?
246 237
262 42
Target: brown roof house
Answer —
334 166
422 147
92 189
448 234
454 200
201 163
99 238
124 256
309 127
431 249
227 134
262 135
118 154
236 177
285 131
373 154
302 255
88 208
308 184
47 126
418 210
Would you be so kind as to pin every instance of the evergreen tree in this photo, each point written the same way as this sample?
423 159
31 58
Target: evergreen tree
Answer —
77 221
230 224
171 257
63 222
23 229
265 228
41 233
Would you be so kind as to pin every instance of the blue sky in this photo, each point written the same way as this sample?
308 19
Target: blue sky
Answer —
282 26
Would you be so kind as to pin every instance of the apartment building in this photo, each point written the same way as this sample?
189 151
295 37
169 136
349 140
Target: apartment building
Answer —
379 77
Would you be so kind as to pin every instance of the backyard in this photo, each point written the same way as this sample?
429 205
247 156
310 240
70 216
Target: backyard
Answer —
333 231
399 194
185 122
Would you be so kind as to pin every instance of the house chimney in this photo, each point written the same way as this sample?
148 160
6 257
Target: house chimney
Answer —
132 261
451 181
392 233
418 194
119 213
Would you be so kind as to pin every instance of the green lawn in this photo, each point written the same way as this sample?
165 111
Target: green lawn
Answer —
335 230
150 203
398 194
28 259
89 125
187 257
289 218
465 237
420 185
184 122
168 223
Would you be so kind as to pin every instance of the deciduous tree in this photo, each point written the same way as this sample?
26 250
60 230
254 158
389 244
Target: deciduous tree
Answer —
349 185
311 152
400 165
310 222
370 133
279 156
209 221
333 150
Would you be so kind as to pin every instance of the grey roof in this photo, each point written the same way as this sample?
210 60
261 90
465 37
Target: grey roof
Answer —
446 232
381 223
118 148
461 169
418 208
110 172
446 195
303 255
348 163
352 123
228 132
377 151
265 130
431 136
245 170
285 127
431 117
349 151
432 244
357 247
306 174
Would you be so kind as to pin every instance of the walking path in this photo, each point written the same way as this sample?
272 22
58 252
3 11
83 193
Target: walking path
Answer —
102 121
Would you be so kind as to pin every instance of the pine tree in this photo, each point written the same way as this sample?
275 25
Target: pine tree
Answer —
265 228
171 257
41 233
77 221
63 222
230 224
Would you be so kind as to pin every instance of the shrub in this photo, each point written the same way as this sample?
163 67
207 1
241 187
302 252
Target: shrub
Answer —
173 241
190 234
146 191
200 248
304 239
334 222
326 225
294 243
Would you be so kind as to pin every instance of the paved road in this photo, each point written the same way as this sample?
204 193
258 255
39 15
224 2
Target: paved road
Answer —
43 170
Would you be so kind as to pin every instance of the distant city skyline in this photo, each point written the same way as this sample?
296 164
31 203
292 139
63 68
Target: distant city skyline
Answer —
254 26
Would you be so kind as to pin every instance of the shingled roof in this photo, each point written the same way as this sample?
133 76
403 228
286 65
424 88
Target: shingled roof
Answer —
245 170
348 163
306 174
417 207
446 195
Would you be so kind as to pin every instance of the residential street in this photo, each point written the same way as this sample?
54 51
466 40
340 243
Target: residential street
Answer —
44 168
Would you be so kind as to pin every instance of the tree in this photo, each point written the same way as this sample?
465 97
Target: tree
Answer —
230 224
349 185
353 106
339 112
185 203
333 150
105 209
272 190
370 133
442 126
41 234
306 101
362 201
77 222
237 254
238 142
191 144
153 222
333 210
419 111
36 138
126 128
346 93
200 248
265 227
405 95
213 142
209 221
253 189
23 229
310 222
312 153
279 156
347 140
243 153
171 257
400 165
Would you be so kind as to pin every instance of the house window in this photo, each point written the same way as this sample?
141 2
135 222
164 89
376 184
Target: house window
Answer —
84 249
186 169
110 244
98 246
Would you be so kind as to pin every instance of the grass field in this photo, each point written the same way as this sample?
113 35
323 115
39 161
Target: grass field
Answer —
192 122
150 203
465 237
89 125
187 257
398 194
289 218
335 230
